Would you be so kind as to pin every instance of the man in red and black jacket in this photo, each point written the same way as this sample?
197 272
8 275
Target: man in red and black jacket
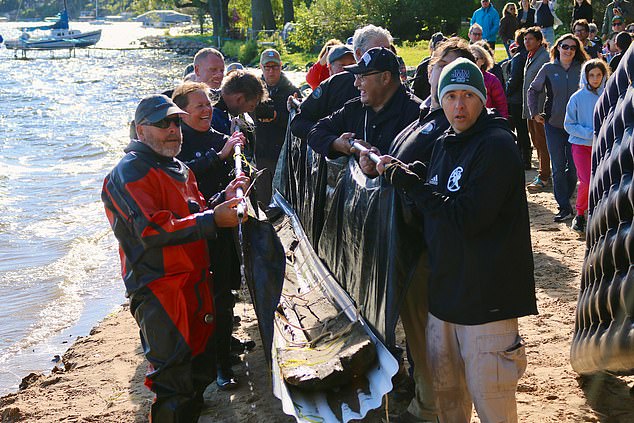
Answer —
162 224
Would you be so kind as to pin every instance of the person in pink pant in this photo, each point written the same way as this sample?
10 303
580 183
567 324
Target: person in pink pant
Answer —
579 125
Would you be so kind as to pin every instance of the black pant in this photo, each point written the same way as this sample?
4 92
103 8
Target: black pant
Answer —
521 128
177 377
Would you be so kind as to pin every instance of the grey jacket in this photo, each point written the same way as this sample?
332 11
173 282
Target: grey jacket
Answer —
559 84
532 67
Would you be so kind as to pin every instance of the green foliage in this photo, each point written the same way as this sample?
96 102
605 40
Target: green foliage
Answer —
325 19
245 52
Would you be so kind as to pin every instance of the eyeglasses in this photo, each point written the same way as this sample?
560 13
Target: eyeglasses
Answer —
271 67
568 47
165 122
617 23
362 77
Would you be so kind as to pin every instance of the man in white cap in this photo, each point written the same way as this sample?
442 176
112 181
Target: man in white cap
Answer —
481 279
163 224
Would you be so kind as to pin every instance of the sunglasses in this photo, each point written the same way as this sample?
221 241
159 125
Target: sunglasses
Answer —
166 122
362 77
568 47
617 23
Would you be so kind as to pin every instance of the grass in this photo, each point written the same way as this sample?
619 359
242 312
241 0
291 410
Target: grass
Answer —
411 52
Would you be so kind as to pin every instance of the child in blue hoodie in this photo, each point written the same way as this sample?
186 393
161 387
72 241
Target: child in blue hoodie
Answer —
579 125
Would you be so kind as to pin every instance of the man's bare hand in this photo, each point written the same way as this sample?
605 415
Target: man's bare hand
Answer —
226 215
342 144
539 119
365 163
227 149
241 181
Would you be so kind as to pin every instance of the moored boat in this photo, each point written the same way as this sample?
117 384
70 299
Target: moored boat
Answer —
55 36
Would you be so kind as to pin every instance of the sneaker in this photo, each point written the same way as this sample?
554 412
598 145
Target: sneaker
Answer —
536 185
579 223
238 346
562 216
226 380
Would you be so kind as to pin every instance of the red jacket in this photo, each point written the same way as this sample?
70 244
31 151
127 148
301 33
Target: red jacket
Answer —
496 98
316 74
159 218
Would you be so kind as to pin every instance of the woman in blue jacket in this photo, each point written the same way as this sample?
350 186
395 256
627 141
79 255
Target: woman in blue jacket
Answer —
579 124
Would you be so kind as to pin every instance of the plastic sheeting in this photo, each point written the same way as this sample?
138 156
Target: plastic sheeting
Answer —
356 226
348 402
604 322
265 265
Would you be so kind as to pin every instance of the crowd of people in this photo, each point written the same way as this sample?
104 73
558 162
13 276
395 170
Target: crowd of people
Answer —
454 144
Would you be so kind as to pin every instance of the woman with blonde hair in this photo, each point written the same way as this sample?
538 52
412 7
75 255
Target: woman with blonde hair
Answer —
319 71
496 98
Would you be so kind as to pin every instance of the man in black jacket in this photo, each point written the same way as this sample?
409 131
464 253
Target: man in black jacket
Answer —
382 110
480 253
335 91
272 120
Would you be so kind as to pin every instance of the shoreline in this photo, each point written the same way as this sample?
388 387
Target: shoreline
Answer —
103 380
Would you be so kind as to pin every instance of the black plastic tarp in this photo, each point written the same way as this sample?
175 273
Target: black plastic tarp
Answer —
356 225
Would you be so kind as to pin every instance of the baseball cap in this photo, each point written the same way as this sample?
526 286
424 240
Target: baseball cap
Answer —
234 66
338 52
270 55
154 108
617 19
376 59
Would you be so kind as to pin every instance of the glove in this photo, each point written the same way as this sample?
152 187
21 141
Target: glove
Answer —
265 111
401 175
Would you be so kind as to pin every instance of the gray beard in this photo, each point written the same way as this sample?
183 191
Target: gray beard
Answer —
162 149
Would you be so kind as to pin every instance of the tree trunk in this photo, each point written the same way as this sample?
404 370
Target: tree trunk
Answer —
219 11
262 15
289 11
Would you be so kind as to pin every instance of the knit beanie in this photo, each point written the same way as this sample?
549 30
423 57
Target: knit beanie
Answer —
462 74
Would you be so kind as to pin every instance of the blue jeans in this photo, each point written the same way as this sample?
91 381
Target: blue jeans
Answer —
549 36
564 170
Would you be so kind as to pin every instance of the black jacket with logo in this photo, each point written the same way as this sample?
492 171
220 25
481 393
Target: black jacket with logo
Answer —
378 129
327 98
477 227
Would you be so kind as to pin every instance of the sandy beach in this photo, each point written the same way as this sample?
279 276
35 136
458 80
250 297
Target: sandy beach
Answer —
103 378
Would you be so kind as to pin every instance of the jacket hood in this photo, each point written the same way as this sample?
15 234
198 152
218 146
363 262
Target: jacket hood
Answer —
583 82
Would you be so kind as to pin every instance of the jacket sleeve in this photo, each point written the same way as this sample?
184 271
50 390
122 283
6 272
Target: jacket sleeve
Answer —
535 89
314 75
499 98
326 131
495 25
476 206
139 204
312 109
573 124
514 82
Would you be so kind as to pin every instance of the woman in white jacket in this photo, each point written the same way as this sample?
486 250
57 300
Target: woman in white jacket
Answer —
579 125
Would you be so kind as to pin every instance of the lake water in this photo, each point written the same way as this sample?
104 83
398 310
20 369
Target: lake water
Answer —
63 126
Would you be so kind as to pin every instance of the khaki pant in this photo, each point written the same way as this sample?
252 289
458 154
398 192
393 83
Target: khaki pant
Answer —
414 318
538 136
477 364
